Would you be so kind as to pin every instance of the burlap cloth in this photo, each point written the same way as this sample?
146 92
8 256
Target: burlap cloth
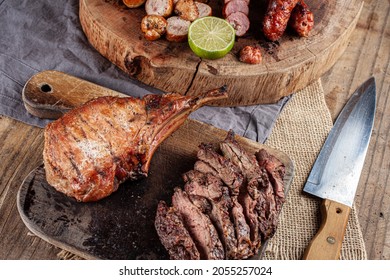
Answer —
300 132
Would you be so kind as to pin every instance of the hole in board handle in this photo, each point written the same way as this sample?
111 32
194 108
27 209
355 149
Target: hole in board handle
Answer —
46 88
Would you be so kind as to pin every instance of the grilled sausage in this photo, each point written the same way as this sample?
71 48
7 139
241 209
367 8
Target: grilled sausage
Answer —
133 3
177 29
251 55
240 23
162 8
276 18
153 26
246 1
302 19
235 6
236 13
203 9
186 9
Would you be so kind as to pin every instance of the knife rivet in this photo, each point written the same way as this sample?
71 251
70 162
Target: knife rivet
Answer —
331 240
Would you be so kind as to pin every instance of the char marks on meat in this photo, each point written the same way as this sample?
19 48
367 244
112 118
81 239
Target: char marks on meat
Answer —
274 191
230 196
173 234
200 227
93 148
261 198
212 162
207 186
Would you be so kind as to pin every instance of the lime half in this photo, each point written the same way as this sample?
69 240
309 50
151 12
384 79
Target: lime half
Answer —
211 37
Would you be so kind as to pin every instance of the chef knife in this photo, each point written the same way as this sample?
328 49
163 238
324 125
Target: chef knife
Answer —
336 172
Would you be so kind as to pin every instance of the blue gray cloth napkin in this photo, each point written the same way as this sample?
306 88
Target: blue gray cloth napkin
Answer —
47 35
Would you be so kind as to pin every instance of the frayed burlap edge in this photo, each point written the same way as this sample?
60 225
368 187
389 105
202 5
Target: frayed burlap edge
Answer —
300 132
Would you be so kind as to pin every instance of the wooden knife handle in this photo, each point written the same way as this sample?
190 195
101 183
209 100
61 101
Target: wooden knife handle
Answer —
49 94
326 244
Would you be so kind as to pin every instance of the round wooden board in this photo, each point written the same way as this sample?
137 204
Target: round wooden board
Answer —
288 65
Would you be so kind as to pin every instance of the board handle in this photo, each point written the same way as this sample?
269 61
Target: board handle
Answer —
49 94
326 244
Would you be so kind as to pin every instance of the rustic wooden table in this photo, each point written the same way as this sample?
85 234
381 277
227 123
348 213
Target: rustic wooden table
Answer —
368 54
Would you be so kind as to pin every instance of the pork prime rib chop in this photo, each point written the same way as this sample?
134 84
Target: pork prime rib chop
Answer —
90 150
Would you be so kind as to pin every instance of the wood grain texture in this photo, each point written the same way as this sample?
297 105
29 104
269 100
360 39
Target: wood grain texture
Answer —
288 65
326 244
21 149
368 54
49 94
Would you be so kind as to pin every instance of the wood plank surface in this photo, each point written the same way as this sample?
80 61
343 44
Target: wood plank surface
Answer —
367 53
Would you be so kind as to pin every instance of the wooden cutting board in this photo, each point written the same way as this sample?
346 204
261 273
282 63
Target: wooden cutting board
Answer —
288 65
120 226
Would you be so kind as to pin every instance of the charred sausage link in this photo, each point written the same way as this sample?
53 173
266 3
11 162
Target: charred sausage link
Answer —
302 19
277 17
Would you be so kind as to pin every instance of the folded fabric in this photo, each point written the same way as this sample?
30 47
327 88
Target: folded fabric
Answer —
45 35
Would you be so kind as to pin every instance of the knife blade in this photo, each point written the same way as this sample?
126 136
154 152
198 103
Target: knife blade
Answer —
336 172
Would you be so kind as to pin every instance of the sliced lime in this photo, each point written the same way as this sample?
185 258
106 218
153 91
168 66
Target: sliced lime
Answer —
211 37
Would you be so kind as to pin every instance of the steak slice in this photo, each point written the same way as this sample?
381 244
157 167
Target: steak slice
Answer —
246 162
199 226
207 186
90 150
264 176
173 235
274 191
266 208
249 210
242 229
275 169
250 192
212 162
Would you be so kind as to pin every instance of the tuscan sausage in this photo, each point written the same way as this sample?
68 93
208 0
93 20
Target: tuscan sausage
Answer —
177 29
235 6
240 23
133 3
162 8
251 55
204 9
276 18
302 19
186 9
153 26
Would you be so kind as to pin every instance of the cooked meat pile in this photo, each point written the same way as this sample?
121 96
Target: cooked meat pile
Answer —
92 149
228 207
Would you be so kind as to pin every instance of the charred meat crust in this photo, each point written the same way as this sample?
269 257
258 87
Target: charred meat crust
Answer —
237 194
173 234
200 227
90 150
